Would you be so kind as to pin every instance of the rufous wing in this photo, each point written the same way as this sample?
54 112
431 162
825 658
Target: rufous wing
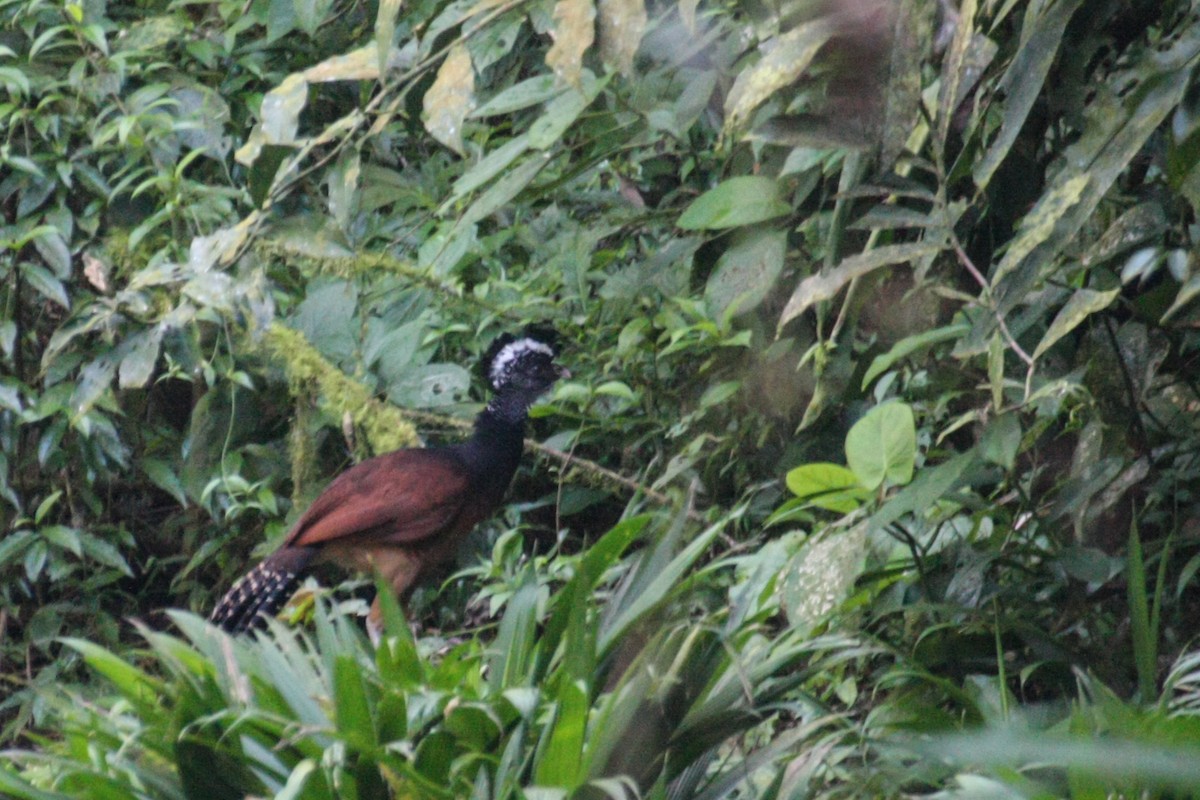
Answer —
399 498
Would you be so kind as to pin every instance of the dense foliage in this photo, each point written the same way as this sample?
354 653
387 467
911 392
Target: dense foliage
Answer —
877 472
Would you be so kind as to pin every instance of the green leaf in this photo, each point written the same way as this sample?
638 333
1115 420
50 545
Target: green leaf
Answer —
52 247
385 30
738 201
563 110
827 283
515 641
162 476
137 366
746 272
909 345
932 484
828 486
352 711
1039 224
529 92
1001 440
486 169
136 686
1082 304
1025 78
45 283
786 57
311 14
882 446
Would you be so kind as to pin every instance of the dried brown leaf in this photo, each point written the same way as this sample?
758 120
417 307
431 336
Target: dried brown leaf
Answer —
574 31
451 98
622 24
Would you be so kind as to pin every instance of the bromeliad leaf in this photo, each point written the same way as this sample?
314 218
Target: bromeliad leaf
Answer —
573 32
451 98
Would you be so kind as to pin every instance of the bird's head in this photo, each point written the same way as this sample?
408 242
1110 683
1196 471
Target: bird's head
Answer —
523 363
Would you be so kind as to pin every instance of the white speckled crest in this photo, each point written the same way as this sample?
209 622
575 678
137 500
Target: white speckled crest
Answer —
510 354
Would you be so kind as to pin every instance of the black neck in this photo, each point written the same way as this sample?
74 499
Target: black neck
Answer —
495 448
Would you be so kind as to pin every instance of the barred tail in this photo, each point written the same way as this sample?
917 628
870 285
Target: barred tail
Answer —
262 591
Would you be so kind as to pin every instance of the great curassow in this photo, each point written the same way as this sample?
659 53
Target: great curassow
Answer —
406 511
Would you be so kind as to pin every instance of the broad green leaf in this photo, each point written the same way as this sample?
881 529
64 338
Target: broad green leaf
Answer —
882 446
786 57
1145 222
622 24
1186 294
910 44
744 200
1082 304
451 98
342 182
828 486
948 92
63 538
995 364
561 761
430 386
909 345
746 272
500 193
513 651
656 588
573 33
826 284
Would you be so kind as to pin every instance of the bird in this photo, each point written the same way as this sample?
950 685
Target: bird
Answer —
402 513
